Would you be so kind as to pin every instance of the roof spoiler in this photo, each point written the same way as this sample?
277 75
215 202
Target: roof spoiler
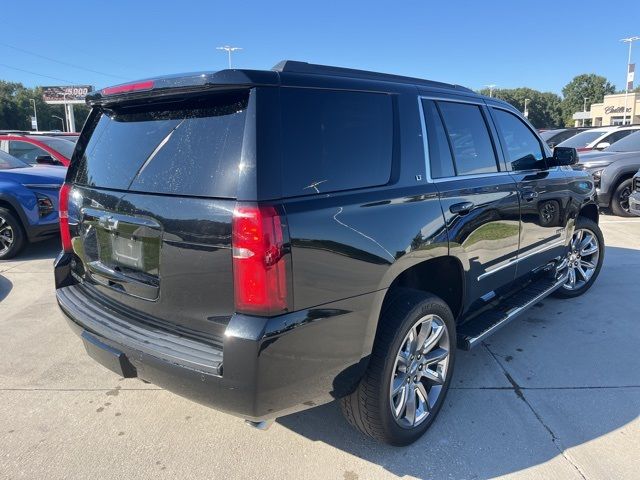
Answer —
182 83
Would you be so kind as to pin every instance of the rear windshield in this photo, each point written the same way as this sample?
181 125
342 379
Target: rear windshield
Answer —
183 148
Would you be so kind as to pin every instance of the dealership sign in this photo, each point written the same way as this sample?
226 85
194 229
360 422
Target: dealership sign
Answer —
611 109
62 95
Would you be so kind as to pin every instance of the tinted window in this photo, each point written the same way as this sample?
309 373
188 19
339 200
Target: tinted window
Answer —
615 136
184 148
472 149
521 145
630 143
335 140
27 152
440 159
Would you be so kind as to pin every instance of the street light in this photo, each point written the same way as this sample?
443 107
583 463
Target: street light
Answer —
491 87
584 108
62 120
630 41
35 112
526 111
229 49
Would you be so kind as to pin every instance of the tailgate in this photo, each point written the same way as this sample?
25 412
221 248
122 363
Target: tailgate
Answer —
151 210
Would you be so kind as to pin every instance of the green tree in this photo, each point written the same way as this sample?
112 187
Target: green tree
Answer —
544 107
593 87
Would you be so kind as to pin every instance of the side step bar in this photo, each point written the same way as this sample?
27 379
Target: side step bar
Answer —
472 333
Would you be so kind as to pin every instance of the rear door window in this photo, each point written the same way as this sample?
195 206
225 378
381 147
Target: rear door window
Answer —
186 148
440 159
335 140
469 138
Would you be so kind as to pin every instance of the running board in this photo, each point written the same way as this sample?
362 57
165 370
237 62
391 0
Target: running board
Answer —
473 332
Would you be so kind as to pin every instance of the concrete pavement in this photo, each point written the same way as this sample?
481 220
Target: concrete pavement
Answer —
556 394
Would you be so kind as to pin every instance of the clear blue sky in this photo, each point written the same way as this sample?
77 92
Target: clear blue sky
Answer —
541 44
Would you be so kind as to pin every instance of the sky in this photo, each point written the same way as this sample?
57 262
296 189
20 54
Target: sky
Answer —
539 44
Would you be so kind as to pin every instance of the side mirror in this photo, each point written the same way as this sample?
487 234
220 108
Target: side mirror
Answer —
564 156
602 145
45 160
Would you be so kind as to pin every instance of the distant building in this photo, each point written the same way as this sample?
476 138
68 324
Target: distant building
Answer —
611 111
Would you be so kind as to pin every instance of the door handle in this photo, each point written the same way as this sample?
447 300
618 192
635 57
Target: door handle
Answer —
461 208
529 196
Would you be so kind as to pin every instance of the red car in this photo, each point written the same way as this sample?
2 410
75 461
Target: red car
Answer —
39 148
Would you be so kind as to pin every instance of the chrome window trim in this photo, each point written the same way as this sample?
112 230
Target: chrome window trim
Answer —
425 142
520 258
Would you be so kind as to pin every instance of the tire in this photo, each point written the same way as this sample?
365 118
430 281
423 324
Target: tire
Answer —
582 284
370 407
620 199
12 236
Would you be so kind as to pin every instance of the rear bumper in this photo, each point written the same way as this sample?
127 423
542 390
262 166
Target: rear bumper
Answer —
634 203
266 367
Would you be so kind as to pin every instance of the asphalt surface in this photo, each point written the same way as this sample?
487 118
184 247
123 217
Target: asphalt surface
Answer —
556 394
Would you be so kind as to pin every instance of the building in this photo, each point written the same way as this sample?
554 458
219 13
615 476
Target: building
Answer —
611 111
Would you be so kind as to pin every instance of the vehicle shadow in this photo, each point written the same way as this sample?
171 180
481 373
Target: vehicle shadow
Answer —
499 425
5 287
42 250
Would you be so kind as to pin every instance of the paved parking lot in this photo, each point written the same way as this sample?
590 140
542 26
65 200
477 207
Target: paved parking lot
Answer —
556 394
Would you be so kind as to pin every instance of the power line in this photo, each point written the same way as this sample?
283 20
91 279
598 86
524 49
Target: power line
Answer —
61 62
34 73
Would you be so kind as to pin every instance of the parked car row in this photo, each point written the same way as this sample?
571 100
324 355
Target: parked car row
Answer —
28 203
613 169
35 148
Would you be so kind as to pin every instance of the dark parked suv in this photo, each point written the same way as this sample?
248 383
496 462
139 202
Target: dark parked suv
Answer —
266 241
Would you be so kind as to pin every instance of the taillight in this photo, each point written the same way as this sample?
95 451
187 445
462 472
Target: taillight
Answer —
128 87
63 213
259 267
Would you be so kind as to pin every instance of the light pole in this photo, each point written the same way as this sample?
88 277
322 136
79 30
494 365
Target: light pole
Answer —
35 112
630 41
490 87
62 120
229 49
526 110
584 108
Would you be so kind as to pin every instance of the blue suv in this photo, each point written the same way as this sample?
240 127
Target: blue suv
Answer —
28 203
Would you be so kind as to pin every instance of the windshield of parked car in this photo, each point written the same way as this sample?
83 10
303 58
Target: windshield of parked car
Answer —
630 143
60 145
581 140
8 162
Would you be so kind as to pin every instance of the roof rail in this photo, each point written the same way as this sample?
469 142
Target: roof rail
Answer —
294 66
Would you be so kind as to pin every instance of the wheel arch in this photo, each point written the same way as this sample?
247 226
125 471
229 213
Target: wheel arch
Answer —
590 211
441 276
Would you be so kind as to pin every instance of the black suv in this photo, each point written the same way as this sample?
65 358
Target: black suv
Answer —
266 241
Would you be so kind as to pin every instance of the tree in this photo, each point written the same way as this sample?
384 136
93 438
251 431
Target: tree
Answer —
592 86
544 107
16 109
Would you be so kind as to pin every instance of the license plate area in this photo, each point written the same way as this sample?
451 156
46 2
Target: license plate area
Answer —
122 252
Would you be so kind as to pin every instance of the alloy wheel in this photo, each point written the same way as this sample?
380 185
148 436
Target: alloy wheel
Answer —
7 236
419 371
623 198
581 260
